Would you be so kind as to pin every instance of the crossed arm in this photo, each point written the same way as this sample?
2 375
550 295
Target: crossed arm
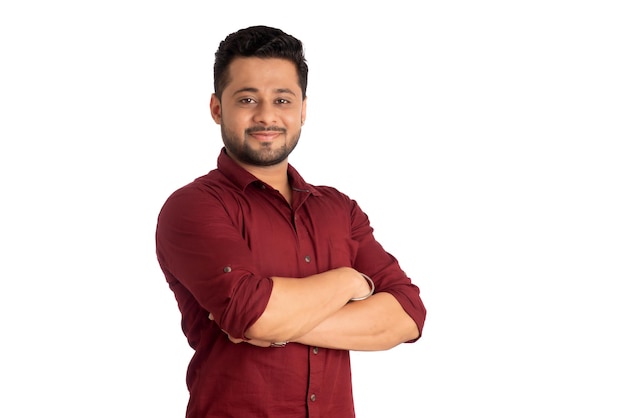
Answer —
209 265
316 311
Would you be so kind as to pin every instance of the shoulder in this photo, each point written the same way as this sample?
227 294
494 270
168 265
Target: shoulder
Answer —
209 190
332 193
333 200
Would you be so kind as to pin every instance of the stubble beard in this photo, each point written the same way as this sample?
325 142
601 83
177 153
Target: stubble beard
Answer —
266 156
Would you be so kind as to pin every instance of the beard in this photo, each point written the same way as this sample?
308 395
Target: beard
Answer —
269 154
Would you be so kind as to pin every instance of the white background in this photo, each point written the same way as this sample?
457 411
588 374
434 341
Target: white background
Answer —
484 139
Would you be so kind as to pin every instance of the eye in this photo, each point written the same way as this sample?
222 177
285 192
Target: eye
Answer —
282 101
246 100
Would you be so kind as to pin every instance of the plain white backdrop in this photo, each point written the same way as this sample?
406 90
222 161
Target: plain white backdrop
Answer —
484 139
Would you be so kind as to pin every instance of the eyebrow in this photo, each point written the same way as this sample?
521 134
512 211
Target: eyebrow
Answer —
255 90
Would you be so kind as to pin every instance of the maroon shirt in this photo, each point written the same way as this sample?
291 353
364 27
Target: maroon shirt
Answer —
219 240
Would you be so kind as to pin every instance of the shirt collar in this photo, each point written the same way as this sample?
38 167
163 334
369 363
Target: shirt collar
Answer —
242 178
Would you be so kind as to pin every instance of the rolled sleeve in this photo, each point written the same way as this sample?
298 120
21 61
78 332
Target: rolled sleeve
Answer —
200 248
384 269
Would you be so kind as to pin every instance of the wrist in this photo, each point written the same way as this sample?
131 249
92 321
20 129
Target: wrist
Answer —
370 282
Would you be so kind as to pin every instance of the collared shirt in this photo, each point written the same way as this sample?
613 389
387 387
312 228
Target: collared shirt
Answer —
219 240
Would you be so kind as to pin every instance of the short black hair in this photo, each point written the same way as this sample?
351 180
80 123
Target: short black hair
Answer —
261 42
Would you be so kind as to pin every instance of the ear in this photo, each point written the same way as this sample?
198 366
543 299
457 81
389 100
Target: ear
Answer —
303 114
216 109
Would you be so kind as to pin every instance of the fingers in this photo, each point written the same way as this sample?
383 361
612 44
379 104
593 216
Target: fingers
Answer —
234 340
258 343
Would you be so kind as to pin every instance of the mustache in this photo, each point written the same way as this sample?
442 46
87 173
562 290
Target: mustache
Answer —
265 129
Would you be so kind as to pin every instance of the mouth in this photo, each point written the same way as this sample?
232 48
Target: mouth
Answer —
265 134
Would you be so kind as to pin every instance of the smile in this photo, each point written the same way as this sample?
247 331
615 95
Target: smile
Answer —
265 134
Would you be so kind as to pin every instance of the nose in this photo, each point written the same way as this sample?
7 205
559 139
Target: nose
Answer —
265 114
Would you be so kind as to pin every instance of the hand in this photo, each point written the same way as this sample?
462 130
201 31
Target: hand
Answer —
258 343
370 288
360 285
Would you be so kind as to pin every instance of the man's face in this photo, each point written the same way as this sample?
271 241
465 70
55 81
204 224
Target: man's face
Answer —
261 111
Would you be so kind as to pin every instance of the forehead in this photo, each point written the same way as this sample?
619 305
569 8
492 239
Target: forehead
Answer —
262 74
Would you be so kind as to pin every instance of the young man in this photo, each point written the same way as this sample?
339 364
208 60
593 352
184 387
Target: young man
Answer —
276 279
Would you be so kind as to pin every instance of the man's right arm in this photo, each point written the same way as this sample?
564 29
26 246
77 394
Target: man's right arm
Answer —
296 306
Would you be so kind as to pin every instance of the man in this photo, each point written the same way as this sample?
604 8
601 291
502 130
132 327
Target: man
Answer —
276 279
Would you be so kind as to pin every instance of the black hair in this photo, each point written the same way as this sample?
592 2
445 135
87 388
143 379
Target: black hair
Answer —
261 42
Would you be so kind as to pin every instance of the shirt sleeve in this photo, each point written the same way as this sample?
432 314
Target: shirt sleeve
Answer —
383 268
207 262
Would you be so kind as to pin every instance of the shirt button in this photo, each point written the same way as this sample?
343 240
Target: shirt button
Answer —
316 350
313 397
227 269
307 258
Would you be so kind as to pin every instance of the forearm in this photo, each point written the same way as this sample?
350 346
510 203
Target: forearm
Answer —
296 306
374 324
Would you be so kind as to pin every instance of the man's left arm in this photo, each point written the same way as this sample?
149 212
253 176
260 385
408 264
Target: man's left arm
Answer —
394 314
374 324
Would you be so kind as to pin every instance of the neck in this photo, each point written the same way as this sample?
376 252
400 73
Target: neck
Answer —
275 176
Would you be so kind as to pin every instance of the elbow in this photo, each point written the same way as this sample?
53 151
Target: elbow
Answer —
409 332
391 337
412 332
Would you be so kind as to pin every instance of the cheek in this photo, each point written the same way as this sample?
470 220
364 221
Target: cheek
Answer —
293 118
235 120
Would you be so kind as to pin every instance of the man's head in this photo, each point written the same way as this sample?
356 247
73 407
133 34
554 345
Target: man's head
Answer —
259 99
260 42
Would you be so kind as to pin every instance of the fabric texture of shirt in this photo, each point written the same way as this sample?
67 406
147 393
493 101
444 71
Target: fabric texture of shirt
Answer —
219 239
